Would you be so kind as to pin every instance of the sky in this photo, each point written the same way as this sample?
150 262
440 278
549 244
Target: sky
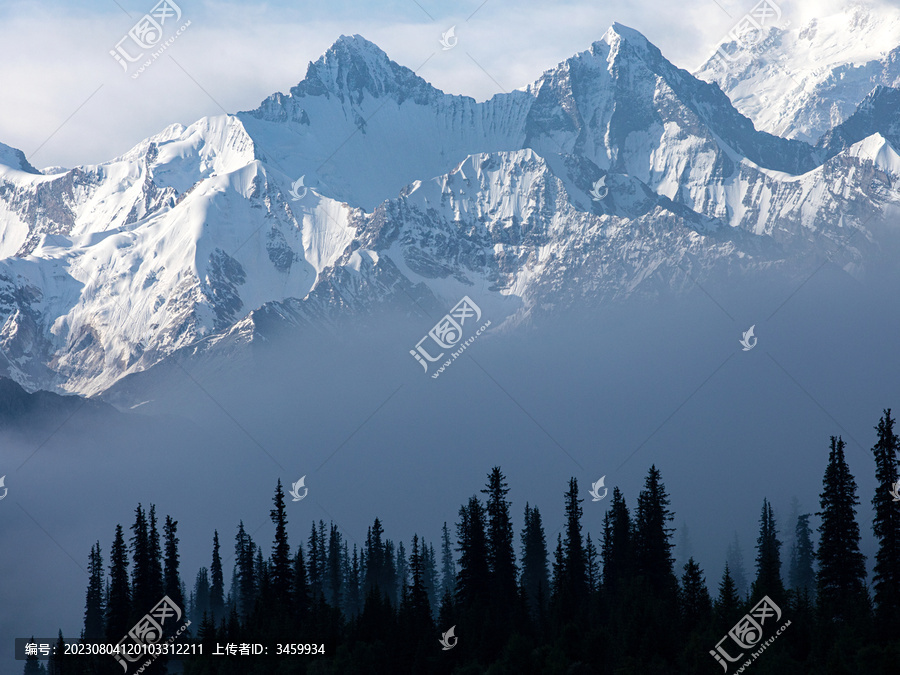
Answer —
64 101
751 433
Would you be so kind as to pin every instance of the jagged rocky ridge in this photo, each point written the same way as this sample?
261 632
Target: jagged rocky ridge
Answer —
411 197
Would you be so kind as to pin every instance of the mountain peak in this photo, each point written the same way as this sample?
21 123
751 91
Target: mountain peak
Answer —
354 66
627 33
15 159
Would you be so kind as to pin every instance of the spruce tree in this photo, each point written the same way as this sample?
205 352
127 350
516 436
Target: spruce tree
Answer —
558 578
448 564
118 606
652 536
417 608
390 586
535 579
593 566
351 571
734 557
616 547
768 558
94 608
217 582
244 550
201 596
841 591
500 542
729 603
171 575
473 577
141 569
696 605
315 563
336 566
375 572
281 572
574 587
402 567
59 662
263 579
431 575
802 576
156 584
886 525
33 665
300 587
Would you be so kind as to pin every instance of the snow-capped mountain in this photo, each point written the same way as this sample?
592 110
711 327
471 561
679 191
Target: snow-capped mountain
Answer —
614 174
803 79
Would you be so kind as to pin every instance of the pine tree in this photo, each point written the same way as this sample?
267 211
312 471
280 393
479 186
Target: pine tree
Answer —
217 582
886 525
473 577
500 542
448 564
841 591
768 558
281 572
535 579
170 572
94 624
696 605
118 605
616 547
652 536
802 576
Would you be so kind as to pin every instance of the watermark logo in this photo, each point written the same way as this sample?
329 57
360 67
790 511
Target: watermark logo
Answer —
296 195
5 489
748 632
447 637
746 339
149 631
447 333
147 34
599 190
751 29
595 490
295 489
449 39
895 490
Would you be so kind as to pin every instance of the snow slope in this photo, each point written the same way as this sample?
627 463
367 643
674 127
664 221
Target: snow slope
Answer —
201 235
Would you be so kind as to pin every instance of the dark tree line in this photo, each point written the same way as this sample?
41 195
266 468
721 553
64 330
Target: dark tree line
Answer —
614 604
